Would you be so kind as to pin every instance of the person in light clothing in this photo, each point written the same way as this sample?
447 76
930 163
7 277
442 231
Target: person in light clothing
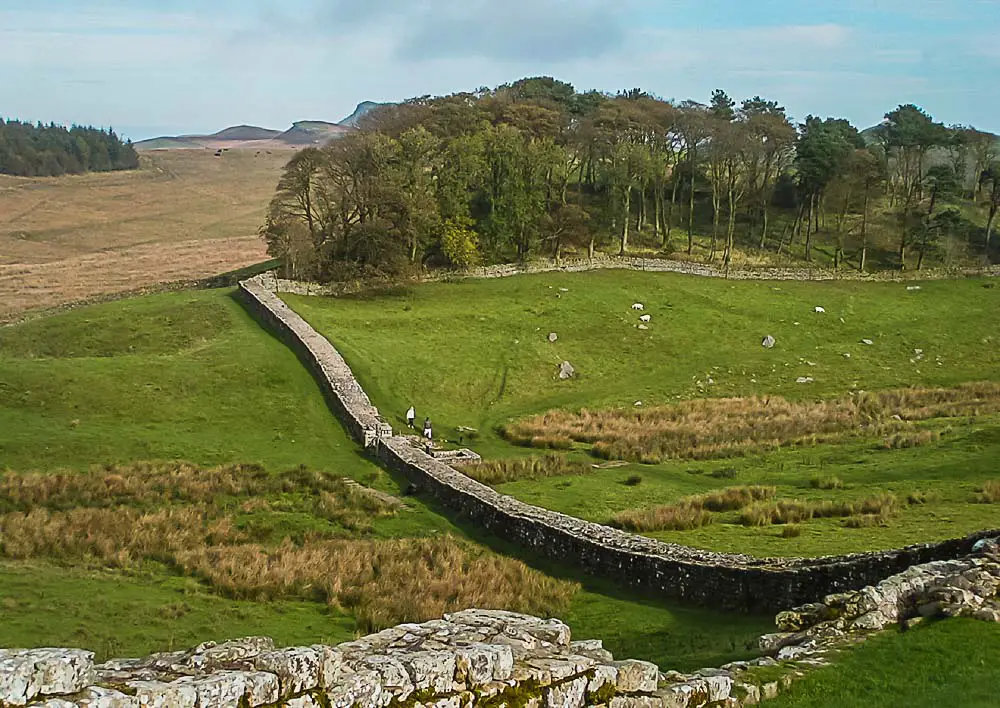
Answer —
411 416
427 429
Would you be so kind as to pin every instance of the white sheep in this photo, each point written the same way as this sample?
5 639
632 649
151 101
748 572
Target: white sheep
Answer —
638 306
820 309
645 318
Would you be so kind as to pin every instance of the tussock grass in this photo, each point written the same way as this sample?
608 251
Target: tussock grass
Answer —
989 492
794 511
690 513
670 517
156 484
727 427
500 471
197 530
829 482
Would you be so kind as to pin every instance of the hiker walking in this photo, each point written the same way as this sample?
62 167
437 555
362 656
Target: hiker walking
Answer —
411 416
427 429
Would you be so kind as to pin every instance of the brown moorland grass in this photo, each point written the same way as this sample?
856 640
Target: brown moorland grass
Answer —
989 493
691 512
182 215
725 427
182 516
147 485
794 511
500 471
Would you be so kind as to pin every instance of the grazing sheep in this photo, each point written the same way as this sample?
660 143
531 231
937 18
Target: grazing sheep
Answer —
638 306
820 309
645 318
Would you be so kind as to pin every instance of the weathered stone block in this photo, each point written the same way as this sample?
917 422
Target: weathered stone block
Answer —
569 694
636 676
26 673
97 697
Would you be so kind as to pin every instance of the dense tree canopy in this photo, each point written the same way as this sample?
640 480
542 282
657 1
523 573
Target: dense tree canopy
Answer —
535 168
28 150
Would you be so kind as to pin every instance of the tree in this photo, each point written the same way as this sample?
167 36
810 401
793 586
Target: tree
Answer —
768 151
942 182
823 152
460 244
693 128
567 225
907 135
990 181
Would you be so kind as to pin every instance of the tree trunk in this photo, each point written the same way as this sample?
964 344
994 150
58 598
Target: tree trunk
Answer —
920 259
691 217
656 214
763 231
989 226
864 234
669 225
732 229
590 249
626 220
809 220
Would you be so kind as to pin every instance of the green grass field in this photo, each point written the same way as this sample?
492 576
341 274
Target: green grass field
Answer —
949 663
476 354
192 376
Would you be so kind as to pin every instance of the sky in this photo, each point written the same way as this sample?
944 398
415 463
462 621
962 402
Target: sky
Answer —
164 67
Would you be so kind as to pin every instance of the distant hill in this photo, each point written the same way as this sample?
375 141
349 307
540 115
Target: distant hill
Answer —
250 137
363 109
246 132
312 132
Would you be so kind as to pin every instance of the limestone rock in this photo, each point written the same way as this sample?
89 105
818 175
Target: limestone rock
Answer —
566 370
636 676
768 342
26 673
553 337
97 697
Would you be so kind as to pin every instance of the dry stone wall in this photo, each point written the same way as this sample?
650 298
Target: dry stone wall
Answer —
720 580
493 658
652 265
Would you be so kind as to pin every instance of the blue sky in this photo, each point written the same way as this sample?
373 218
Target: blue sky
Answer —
151 67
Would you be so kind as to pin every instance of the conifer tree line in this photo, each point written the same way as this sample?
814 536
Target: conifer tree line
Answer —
535 168
28 150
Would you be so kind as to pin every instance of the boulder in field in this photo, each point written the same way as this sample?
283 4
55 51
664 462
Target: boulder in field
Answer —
768 342
566 371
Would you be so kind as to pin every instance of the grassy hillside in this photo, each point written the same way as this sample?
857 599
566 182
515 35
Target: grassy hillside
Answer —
182 215
477 354
941 664
190 375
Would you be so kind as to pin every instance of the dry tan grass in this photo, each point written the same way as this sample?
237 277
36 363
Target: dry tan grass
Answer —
500 471
989 493
794 511
183 215
725 427
183 516
691 512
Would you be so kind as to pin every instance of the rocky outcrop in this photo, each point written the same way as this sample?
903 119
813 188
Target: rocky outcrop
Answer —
493 658
721 580
468 658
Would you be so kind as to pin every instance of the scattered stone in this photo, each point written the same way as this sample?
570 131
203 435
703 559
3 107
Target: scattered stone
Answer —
637 404
553 336
564 290
912 287
804 379
643 327
768 342
847 355
867 341
566 371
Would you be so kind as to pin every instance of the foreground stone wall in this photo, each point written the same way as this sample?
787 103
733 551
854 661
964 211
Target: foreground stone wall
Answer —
720 580
654 265
493 658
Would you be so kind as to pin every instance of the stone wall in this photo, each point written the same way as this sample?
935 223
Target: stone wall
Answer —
720 580
655 265
493 658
